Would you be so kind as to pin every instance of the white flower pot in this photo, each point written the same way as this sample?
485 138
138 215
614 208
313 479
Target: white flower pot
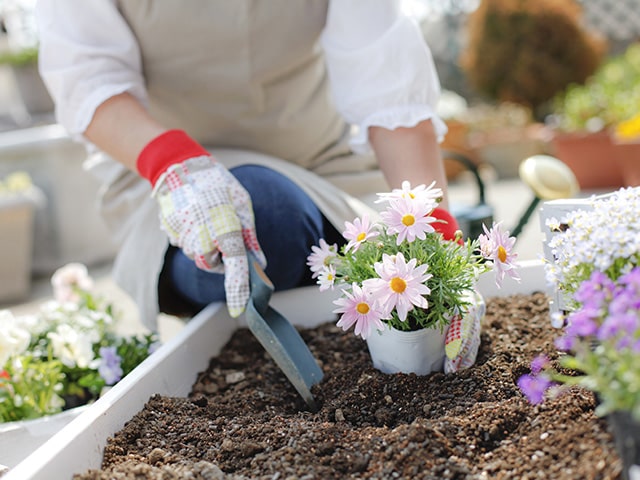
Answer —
16 243
19 439
420 352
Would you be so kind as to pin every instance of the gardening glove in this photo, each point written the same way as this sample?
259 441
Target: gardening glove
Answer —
463 336
203 210
449 225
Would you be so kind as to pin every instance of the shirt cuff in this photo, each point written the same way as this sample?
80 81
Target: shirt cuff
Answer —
392 118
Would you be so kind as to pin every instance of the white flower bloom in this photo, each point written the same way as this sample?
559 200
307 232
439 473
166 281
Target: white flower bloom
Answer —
72 347
67 279
32 324
598 238
14 339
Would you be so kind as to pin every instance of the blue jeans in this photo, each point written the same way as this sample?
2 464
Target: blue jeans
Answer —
288 223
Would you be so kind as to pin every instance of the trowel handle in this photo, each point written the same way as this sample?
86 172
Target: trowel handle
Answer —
261 286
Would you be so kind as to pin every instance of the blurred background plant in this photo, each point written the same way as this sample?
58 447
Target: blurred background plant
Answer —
66 354
526 52
611 95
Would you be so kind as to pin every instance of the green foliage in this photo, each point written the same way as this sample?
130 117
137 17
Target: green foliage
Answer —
609 96
28 56
454 267
67 353
30 388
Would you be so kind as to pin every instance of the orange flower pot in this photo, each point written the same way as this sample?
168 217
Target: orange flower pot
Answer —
591 157
628 160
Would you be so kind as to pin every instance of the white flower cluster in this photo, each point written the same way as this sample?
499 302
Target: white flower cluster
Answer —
15 338
602 238
65 353
71 332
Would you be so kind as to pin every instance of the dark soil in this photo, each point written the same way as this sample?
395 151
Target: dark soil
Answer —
244 420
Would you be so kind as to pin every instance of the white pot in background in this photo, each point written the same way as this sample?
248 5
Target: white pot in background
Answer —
420 352
19 439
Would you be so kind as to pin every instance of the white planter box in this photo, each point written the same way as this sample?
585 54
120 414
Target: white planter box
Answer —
172 370
68 227
16 246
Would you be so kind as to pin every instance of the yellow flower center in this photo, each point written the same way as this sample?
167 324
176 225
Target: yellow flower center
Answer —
362 308
408 220
361 236
502 254
398 284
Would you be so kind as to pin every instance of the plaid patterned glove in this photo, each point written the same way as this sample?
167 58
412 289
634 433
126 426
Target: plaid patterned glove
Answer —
463 336
203 210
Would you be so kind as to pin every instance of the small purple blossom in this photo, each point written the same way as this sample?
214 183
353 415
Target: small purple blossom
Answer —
534 387
583 322
109 368
565 343
595 291
625 324
539 363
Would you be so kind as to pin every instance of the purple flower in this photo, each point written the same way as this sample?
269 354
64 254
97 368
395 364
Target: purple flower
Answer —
534 387
582 323
626 298
109 368
564 343
632 278
619 325
539 363
595 291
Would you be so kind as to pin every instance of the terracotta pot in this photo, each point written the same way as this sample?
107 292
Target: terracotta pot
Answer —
591 157
628 159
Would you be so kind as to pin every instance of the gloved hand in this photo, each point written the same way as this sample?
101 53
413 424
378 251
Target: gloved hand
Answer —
203 210
448 226
463 336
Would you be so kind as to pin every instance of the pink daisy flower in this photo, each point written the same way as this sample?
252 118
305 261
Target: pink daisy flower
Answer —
357 232
409 219
401 285
321 256
427 196
497 246
327 278
358 308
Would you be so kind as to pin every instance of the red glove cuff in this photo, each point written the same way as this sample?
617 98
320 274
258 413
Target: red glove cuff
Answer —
168 148
448 230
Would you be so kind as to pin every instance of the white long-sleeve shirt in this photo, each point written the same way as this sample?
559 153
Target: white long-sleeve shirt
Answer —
381 70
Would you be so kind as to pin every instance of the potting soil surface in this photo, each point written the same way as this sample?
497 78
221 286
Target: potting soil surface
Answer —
244 420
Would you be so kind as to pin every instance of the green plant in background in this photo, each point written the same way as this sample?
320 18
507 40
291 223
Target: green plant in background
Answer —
19 58
526 52
610 96
67 353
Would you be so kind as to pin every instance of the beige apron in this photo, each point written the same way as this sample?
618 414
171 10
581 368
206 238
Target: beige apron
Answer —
247 79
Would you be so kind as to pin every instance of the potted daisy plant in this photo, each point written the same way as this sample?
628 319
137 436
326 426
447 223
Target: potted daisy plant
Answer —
408 291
